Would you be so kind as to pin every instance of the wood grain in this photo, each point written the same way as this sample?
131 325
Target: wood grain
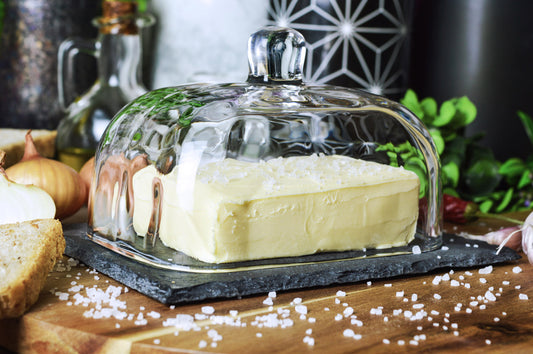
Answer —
452 320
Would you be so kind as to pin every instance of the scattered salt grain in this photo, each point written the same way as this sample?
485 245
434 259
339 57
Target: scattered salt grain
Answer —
309 340
517 270
490 296
340 293
208 310
348 311
399 293
272 294
454 283
202 344
416 249
523 297
157 341
388 285
437 280
301 309
437 296
338 317
268 301
348 332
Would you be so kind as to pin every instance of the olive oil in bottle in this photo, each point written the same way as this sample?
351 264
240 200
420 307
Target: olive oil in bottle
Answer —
118 51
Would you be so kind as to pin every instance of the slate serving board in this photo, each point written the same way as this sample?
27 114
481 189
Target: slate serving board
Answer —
174 287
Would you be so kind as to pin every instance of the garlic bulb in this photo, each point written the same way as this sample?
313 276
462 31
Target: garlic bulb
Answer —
20 202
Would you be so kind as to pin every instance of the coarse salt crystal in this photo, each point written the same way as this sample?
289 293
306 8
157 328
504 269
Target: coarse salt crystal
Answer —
523 297
399 293
437 296
482 280
388 285
486 270
454 283
309 340
340 293
490 296
386 341
338 317
272 294
517 269
208 310
437 280
416 249
202 344
348 311
297 300
268 301
301 309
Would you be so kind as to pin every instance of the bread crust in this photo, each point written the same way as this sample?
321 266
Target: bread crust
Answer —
34 246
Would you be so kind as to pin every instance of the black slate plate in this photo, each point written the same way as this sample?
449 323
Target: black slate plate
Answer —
173 287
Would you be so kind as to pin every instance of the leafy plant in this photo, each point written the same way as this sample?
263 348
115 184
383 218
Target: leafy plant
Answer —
469 169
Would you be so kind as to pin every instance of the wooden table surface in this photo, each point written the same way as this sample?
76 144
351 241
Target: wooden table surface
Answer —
474 310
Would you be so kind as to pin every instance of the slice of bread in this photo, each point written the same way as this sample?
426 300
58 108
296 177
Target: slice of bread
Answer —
28 252
12 142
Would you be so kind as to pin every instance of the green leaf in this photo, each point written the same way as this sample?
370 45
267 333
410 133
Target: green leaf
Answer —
506 200
410 101
418 167
437 140
451 191
446 114
527 121
466 112
429 107
525 179
485 206
482 177
451 173
512 167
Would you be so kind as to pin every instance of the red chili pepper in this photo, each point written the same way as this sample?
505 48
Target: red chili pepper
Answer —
458 211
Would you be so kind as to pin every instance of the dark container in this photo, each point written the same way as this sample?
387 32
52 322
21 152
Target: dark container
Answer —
32 32
482 49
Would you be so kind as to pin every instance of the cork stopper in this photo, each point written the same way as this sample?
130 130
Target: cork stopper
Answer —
118 17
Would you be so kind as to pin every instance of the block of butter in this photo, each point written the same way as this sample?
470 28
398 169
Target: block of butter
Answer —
232 210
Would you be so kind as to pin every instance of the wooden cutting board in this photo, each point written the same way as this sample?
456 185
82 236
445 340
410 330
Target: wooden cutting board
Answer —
470 309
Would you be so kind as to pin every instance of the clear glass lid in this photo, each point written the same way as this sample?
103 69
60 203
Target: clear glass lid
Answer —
268 172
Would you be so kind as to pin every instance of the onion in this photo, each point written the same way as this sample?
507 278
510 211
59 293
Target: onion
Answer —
22 203
87 174
61 181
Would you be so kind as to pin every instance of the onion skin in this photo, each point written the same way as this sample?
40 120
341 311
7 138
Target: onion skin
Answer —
59 180
87 174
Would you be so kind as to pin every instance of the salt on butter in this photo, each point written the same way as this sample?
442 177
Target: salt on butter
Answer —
232 210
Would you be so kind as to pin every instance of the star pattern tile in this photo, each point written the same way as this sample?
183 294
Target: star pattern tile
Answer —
354 43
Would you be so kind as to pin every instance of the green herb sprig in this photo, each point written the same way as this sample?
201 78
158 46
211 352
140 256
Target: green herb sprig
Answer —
469 169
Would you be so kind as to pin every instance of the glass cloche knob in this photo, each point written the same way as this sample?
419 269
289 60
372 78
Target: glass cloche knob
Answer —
276 55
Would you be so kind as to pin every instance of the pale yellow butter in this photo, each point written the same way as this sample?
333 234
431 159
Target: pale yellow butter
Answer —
233 210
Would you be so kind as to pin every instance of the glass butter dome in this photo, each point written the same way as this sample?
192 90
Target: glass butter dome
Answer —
266 173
